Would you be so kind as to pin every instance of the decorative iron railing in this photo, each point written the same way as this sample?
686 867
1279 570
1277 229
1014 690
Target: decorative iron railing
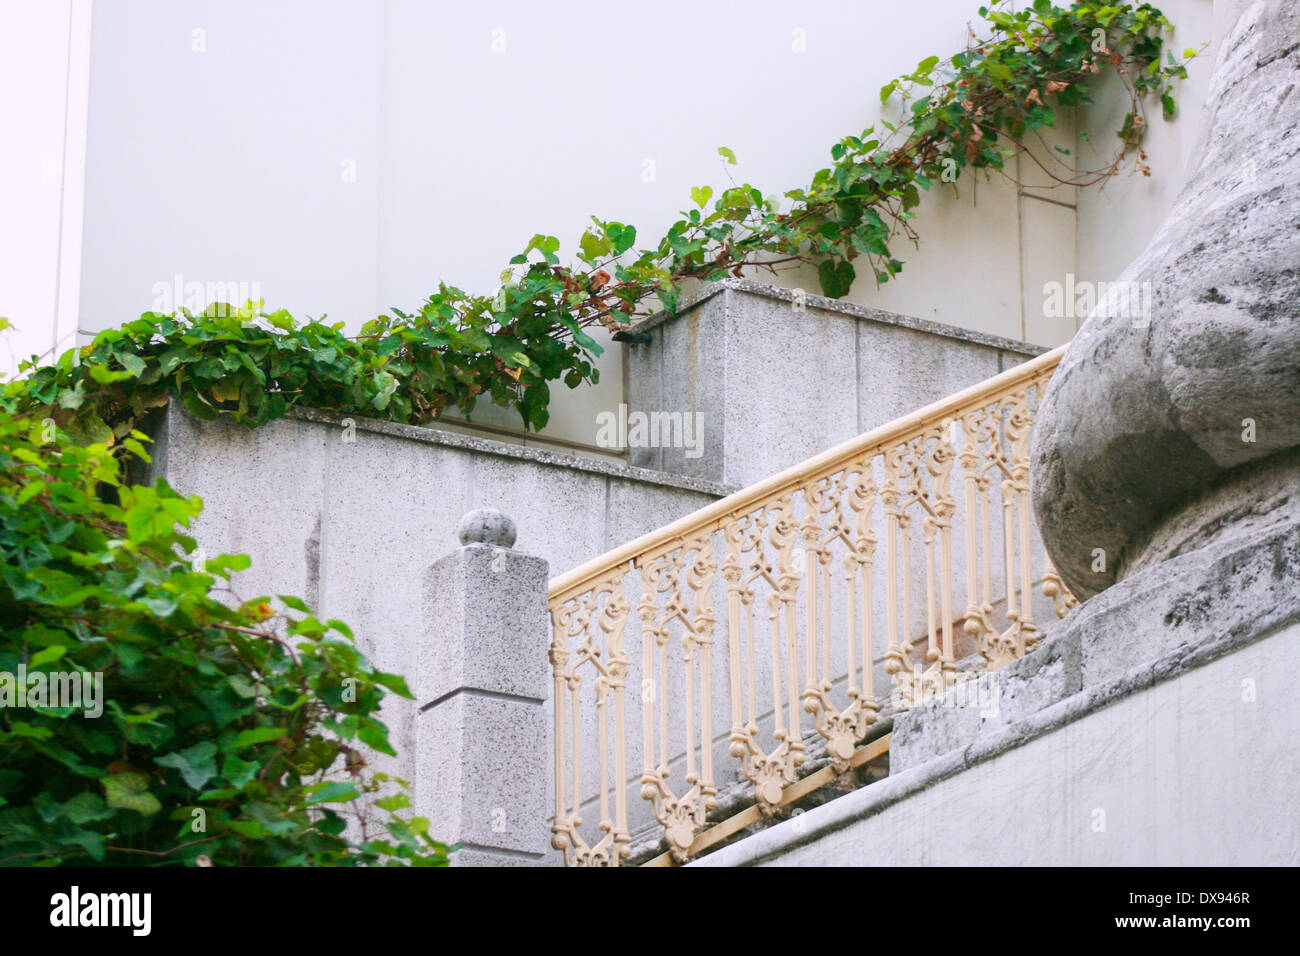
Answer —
835 580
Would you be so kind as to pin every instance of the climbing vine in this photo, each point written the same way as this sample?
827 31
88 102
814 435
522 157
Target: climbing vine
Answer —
978 109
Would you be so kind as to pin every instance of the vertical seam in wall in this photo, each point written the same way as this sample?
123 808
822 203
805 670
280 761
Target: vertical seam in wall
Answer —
63 182
1020 250
380 89
1077 202
471 486
728 302
626 392
323 505
607 534
660 393
161 450
857 375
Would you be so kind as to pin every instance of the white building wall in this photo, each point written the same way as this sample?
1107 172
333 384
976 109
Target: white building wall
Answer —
1200 770
44 60
1115 222
342 157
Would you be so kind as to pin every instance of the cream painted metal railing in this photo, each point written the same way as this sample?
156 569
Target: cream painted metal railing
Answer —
811 609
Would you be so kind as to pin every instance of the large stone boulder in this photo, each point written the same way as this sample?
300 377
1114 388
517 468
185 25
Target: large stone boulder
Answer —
1148 416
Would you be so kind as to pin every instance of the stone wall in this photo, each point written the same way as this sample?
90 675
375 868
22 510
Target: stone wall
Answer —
778 377
351 518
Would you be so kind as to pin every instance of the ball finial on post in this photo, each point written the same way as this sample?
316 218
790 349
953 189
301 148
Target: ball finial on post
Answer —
486 526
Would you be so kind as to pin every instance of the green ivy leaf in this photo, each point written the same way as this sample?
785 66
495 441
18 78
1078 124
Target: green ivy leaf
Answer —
130 791
46 656
836 278
259 736
332 792
86 808
196 764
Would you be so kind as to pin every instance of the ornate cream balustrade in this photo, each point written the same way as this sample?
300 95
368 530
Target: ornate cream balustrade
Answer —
860 572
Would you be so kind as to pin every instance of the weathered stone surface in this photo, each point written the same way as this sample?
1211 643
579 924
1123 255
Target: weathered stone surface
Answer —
988 705
485 626
481 738
486 526
1146 411
777 377
481 773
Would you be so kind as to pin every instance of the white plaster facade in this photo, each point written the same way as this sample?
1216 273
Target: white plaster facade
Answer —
342 158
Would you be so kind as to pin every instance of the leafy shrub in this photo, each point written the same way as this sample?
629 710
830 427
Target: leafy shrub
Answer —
226 736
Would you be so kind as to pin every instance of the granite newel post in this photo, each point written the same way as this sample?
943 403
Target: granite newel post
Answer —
483 761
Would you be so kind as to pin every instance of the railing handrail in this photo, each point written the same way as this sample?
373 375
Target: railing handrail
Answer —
693 524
